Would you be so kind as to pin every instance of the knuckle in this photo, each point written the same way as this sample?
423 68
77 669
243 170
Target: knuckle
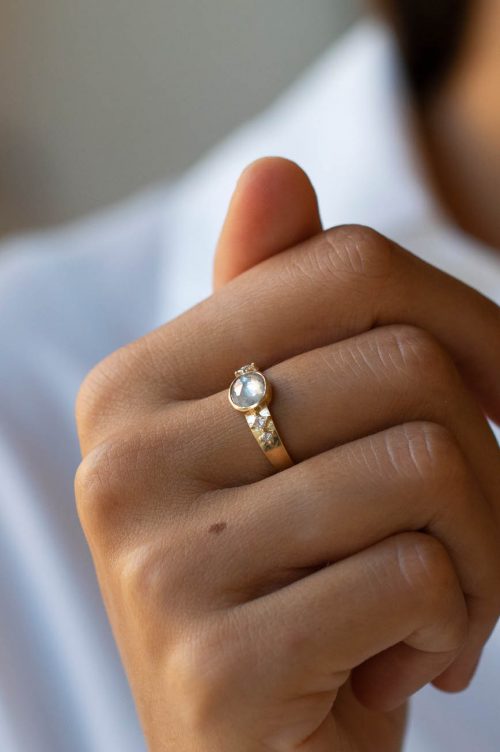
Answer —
428 450
357 250
427 569
99 388
416 351
425 564
97 481
133 473
150 584
204 667
145 572
112 384
121 468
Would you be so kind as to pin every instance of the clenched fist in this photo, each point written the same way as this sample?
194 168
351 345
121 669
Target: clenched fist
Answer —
258 611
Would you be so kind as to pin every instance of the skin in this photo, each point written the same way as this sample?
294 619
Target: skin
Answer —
277 612
459 130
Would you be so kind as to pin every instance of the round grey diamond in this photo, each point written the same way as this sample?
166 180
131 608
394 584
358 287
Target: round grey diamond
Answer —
248 390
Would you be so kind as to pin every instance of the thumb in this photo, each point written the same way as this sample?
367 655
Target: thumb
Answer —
273 207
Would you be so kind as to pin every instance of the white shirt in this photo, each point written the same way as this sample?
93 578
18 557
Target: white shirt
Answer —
70 296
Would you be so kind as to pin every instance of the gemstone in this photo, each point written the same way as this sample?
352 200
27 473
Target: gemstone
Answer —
258 421
269 440
246 369
248 390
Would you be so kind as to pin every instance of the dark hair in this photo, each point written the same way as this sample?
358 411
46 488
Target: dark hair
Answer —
430 33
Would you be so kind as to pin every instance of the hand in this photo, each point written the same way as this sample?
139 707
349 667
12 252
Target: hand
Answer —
271 612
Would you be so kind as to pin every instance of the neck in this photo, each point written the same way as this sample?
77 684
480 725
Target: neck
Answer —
461 131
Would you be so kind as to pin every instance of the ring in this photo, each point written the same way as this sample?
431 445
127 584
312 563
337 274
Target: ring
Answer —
250 393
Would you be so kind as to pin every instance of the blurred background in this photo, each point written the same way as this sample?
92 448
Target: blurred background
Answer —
101 97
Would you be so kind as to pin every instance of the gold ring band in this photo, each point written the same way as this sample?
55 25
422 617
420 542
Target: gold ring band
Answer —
250 393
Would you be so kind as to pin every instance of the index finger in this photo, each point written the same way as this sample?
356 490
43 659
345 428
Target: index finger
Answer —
342 282
338 284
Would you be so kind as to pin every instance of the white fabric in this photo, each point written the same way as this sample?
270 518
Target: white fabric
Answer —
70 296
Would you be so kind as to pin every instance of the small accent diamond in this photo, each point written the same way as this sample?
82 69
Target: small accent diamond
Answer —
260 421
269 440
246 369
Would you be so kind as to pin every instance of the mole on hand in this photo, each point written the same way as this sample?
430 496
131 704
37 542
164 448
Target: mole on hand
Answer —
217 527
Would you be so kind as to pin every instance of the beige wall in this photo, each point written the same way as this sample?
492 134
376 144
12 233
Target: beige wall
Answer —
100 97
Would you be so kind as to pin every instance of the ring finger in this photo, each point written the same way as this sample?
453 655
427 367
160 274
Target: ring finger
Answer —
341 392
